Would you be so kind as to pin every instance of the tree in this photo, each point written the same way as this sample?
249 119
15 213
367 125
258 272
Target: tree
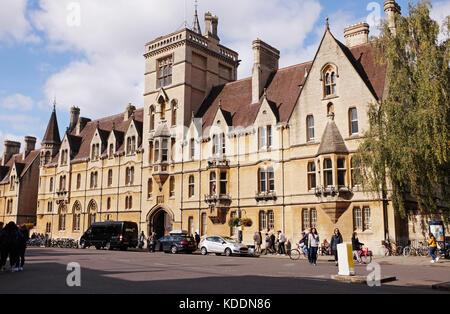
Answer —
405 153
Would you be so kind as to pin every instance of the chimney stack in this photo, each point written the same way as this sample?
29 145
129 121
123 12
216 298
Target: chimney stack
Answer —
357 34
74 116
265 63
30 144
10 148
129 111
211 23
392 9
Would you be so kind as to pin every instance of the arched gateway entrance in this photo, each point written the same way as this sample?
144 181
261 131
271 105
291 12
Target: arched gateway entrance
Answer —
160 221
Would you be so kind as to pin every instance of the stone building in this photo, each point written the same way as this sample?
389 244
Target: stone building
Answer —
19 179
276 147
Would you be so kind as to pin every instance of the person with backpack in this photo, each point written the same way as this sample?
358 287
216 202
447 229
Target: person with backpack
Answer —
336 239
313 246
9 239
21 247
272 242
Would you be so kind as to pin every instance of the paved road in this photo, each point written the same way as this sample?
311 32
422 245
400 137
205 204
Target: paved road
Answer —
142 272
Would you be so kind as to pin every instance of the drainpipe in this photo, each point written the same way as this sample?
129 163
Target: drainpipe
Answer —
85 191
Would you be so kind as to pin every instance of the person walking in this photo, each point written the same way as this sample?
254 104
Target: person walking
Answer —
268 244
281 243
304 243
141 240
336 239
151 242
272 243
197 239
313 246
21 247
433 247
356 246
8 242
257 242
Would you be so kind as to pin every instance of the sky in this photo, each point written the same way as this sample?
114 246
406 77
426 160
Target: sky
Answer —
89 53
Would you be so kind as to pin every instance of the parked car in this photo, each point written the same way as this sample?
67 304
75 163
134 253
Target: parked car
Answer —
110 235
222 245
176 243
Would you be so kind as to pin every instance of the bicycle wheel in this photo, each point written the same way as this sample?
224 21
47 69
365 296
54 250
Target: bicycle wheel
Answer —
366 259
424 251
407 251
398 250
294 254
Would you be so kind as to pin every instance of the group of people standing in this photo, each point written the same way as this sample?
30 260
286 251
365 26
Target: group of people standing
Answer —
310 244
13 243
273 244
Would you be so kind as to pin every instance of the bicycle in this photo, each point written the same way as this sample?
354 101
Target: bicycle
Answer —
416 250
365 256
296 254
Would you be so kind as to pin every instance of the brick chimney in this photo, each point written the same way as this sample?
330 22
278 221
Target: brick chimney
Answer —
357 34
265 63
30 144
10 148
74 116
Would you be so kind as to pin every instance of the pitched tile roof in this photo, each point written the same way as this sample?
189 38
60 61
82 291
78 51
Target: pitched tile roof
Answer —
283 89
106 125
332 141
21 165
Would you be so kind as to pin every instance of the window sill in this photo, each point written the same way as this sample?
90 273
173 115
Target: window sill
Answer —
329 97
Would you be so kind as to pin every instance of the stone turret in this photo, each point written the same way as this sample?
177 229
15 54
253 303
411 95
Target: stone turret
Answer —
392 9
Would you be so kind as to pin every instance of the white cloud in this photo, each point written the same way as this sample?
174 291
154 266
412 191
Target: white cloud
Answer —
14 25
111 36
16 138
438 12
17 102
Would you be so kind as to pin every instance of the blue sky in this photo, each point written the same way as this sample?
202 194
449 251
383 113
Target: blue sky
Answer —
88 53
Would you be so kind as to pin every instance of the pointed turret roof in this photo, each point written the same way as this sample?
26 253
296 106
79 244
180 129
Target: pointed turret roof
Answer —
52 133
332 141
196 24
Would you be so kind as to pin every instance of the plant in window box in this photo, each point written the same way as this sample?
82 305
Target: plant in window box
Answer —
234 222
247 222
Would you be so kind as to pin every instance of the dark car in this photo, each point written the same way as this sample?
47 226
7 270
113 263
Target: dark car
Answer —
110 235
176 244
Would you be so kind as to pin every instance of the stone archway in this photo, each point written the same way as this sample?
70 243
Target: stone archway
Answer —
160 220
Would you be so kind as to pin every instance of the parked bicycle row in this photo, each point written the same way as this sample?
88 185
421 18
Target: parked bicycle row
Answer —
416 248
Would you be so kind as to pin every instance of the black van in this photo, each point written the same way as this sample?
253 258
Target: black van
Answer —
110 235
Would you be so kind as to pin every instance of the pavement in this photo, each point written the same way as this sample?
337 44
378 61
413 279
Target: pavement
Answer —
134 271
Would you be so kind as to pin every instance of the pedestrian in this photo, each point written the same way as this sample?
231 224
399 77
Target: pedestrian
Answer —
197 239
356 246
21 247
8 244
268 244
281 243
304 243
272 243
336 239
141 240
313 246
151 242
433 246
257 241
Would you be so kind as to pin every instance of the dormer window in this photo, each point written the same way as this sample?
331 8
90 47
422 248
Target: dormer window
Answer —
329 75
265 137
64 157
111 150
218 142
12 184
95 152
131 145
165 72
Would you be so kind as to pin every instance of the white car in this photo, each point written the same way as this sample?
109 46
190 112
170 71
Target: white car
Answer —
222 245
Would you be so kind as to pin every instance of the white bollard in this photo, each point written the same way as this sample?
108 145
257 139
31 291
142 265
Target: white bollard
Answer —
345 259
